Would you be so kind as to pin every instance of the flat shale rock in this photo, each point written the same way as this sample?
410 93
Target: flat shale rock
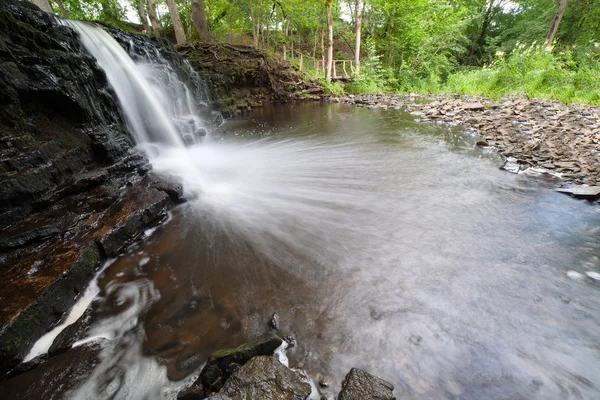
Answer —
586 192
264 378
54 378
361 385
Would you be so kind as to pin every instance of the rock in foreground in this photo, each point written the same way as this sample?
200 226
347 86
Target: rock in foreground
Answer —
360 385
264 378
222 363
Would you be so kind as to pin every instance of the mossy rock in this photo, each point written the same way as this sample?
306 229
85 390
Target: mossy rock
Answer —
264 378
219 363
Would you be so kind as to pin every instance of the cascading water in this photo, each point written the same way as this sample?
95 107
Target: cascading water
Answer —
158 108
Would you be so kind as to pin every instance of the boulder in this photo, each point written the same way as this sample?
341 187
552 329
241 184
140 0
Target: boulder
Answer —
264 378
361 385
220 364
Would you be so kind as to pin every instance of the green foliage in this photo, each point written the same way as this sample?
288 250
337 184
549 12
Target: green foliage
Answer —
567 75
373 77
426 46
109 11
332 88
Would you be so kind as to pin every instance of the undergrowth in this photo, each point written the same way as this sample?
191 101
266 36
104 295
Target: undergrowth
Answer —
569 75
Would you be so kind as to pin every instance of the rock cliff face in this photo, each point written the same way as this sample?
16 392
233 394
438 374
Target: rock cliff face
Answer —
72 191
58 115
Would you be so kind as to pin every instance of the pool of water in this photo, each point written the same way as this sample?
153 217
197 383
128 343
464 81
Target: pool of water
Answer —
382 243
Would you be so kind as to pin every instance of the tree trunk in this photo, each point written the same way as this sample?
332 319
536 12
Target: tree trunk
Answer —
254 25
142 6
323 18
156 28
359 11
315 46
329 39
179 33
199 18
44 5
61 7
562 6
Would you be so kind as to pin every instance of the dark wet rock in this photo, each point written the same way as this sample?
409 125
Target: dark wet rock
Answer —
360 385
193 392
264 378
54 378
323 382
19 333
72 189
26 366
72 333
218 365
59 117
140 207
174 190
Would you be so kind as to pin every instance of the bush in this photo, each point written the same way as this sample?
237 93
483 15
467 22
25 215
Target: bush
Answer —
332 88
373 78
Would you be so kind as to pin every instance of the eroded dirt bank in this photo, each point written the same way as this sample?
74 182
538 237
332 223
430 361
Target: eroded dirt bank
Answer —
542 134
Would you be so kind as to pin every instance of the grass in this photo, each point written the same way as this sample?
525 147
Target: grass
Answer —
536 73
569 75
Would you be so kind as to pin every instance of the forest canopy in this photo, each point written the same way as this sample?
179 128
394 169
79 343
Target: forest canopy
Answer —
403 45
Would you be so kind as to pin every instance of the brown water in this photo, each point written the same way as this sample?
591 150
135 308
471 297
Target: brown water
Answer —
382 243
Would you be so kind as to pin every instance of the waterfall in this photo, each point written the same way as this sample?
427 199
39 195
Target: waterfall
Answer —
159 109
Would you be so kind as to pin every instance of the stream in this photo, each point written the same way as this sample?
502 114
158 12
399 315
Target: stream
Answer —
382 243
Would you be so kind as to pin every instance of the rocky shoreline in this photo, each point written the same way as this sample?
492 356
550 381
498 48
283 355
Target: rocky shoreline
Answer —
541 136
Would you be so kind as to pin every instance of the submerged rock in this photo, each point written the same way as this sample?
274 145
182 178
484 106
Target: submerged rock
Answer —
264 378
361 385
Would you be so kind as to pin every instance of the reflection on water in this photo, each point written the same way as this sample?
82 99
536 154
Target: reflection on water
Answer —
383 244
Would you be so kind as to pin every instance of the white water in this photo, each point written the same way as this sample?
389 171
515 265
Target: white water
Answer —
43 344
158 108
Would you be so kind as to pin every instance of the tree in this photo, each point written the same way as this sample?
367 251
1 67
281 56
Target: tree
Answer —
61 7
358 26
562 6
329 4
177 27
142 9
199 18
43 5
156 28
